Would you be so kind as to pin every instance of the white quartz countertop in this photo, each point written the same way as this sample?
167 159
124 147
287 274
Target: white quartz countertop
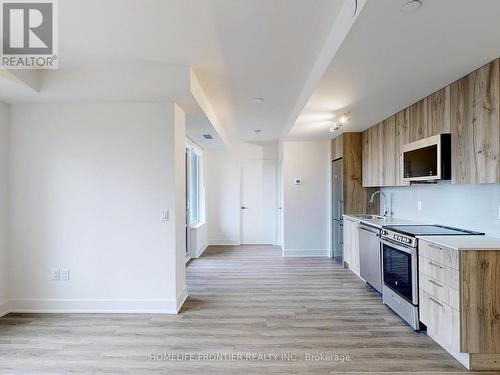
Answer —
379 222
464 242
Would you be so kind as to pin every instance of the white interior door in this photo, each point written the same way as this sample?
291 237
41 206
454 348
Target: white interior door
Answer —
258 202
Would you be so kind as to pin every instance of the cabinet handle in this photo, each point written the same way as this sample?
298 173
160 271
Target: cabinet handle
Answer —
436 283
436 302
435 246
436 265
399 302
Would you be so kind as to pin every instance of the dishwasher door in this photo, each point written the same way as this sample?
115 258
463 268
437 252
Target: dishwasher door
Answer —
370 264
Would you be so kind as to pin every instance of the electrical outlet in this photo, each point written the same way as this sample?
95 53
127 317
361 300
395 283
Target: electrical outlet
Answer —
498 212
419 206
56 275
65 275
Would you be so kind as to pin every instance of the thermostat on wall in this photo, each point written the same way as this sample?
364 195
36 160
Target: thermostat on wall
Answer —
297 181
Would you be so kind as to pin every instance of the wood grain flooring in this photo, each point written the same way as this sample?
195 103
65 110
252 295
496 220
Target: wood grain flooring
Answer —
244 300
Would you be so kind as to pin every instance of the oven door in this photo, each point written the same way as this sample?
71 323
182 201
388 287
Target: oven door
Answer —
399 264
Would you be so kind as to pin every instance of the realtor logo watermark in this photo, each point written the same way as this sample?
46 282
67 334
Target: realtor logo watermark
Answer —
29 34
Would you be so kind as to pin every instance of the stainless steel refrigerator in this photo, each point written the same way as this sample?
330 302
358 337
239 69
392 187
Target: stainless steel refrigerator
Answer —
338 210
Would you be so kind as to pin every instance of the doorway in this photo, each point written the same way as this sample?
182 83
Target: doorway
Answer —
258 202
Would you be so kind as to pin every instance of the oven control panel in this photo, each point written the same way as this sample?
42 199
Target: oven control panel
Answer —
399 238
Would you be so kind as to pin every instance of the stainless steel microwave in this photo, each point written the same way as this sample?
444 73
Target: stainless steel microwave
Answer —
428 159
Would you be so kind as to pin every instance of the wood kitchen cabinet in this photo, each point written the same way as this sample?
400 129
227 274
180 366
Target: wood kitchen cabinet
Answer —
348 146
475 127
390 153
417 117
469 109
372 156
338 147
438 112
381 154
430 116
460 302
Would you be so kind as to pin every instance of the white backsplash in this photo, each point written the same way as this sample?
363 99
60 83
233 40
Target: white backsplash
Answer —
474 207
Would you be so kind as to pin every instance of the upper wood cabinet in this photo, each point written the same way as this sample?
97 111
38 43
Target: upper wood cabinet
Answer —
438 112
381 152
373 156
356 197
475 125
417 117
469 109
430 116
338 147
390 153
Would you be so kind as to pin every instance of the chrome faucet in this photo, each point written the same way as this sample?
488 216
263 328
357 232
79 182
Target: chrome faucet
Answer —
387 211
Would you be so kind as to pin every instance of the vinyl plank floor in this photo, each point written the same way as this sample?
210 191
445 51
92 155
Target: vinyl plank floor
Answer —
246 301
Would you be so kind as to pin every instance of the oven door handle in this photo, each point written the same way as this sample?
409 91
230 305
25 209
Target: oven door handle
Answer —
408 250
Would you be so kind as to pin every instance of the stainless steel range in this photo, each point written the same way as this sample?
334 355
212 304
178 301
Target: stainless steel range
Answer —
400 265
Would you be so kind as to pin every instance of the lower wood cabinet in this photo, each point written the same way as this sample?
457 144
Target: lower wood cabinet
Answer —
459 302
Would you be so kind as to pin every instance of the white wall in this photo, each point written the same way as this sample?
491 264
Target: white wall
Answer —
88 186
473 207
4 135
306 217
223 188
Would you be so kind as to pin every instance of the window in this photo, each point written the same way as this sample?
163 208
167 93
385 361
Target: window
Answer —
194 184
192 187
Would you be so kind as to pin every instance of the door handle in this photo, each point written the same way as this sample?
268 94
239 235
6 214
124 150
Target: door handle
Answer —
244 208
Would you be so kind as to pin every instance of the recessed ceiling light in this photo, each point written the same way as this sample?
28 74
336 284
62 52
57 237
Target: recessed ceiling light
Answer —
411 6
258 99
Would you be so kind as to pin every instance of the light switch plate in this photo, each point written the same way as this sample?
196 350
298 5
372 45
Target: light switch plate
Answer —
419 206
56 274
65 275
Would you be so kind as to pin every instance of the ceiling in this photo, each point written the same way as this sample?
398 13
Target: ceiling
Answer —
132 50
388 61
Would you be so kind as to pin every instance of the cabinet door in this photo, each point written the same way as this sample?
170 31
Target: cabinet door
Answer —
417 116
403 137
354 248
475 124
373 156
338 147
348 242
438 112
367 168
390 163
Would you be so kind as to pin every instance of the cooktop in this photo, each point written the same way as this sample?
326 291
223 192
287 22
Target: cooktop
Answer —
430 230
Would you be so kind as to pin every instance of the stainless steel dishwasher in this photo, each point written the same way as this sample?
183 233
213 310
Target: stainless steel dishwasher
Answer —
370 264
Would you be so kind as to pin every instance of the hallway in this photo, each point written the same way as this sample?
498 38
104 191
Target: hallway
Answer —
245 300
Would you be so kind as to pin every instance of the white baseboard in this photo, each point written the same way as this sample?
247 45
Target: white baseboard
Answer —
306 252
224 242
181 298
4 308
100 306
